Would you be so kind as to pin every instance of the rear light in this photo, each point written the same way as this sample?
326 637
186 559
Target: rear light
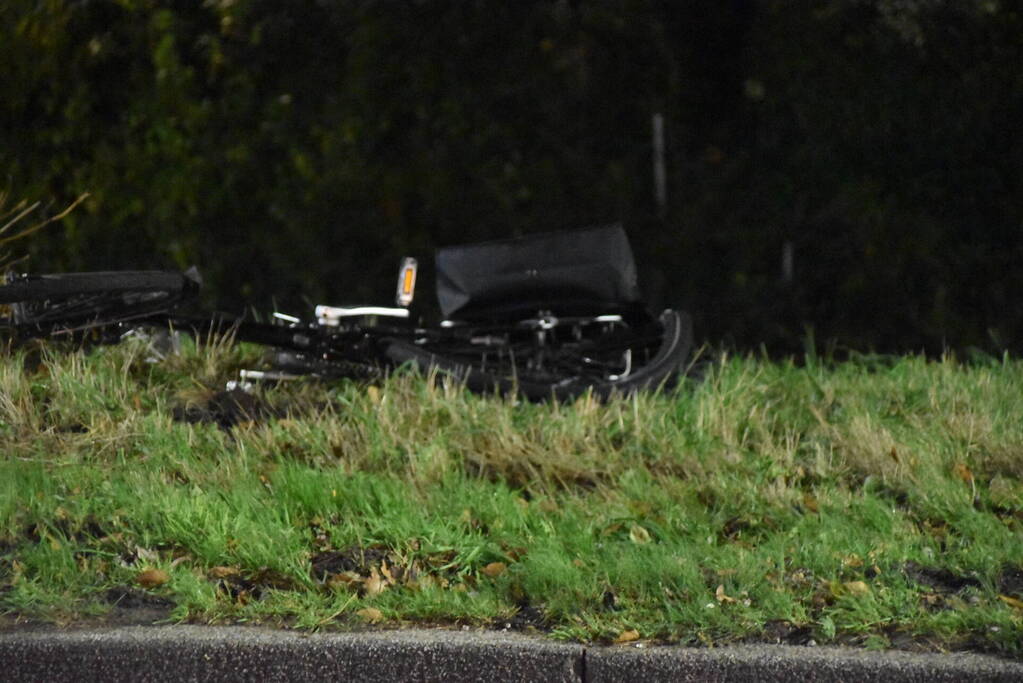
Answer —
406 282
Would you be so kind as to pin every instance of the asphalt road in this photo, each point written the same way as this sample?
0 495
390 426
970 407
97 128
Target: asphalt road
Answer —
233 653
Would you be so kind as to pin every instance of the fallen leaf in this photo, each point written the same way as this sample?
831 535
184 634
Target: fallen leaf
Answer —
223 572
638 534
373 393
853 560
343 579
371 614
856 587
146 555
374 585
517 553
963 472
810 502
1011 602
720 595
627 636
151 578
181 559
495 569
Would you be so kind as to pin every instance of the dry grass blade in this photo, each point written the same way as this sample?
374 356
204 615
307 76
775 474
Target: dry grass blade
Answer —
38 226
23 212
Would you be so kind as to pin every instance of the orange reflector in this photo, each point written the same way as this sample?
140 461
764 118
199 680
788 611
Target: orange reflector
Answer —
407 282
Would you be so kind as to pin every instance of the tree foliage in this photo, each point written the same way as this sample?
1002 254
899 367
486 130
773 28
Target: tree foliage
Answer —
298 150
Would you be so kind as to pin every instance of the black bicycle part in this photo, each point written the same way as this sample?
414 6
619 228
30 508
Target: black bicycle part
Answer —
350 351
69 303
563 371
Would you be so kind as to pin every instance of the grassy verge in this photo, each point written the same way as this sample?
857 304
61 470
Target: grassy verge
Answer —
877 502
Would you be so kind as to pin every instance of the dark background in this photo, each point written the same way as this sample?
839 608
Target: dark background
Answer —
295 151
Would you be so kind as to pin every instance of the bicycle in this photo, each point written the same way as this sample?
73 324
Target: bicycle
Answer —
545 316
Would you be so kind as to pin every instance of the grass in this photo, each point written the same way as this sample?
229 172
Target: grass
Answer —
876 502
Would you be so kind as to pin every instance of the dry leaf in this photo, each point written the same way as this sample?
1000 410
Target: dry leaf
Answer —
373 393
495 569
223 572
427 582
720 595
853 560
374 585
810 502
343 579
638 534
963 472
151 578
371 614
517 553
146 555
1011 602
627 636
181 559
856 587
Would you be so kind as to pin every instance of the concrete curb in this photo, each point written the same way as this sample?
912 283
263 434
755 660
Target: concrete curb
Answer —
180 653
793 663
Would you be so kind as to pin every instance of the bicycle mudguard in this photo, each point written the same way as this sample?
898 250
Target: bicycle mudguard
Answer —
675 348
578 272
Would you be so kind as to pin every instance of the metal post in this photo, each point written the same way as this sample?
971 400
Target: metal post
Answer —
660 174
787 262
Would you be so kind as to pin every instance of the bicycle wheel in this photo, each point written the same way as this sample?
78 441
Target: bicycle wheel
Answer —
604 361
47 305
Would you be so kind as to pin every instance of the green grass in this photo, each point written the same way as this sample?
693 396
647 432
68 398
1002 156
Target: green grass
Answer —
873 502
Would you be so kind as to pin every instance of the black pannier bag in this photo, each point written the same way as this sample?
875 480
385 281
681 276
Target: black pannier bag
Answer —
581 272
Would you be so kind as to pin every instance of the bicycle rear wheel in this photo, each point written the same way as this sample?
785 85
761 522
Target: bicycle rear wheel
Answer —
616 362
49 305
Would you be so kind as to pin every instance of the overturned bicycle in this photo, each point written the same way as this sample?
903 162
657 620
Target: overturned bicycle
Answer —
547 316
